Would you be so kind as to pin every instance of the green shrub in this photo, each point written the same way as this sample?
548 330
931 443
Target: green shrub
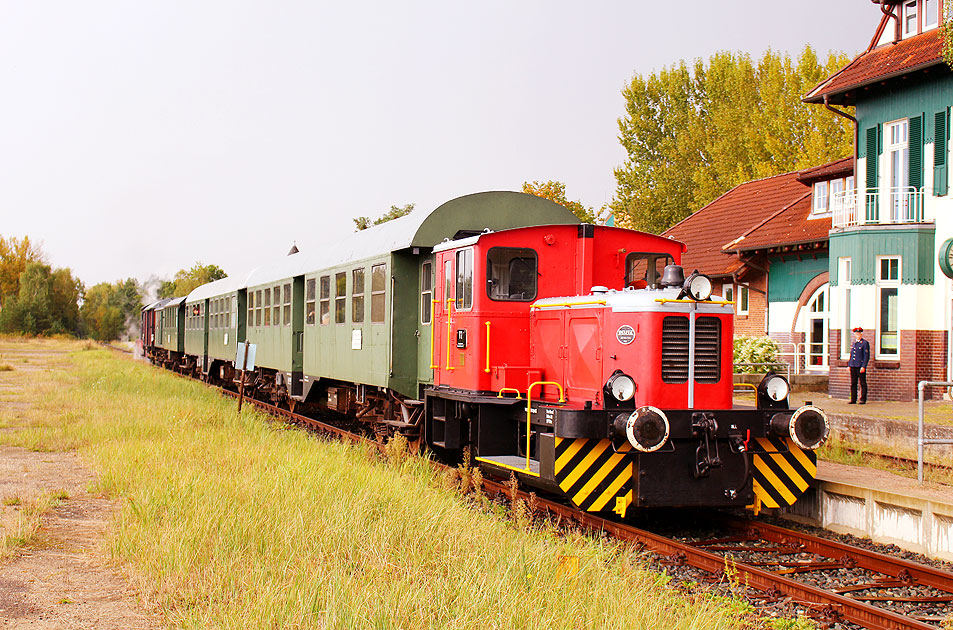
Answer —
755 350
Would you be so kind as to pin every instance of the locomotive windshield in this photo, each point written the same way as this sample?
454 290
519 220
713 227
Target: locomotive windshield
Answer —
644 270
511 274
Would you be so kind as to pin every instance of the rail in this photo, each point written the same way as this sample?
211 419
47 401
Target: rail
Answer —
921 441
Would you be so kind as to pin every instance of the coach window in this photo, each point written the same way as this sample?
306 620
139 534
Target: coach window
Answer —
465 279
287 311
325 300
357 295
340 297
228 312
309 301
251 308
258 308
644 270
276 318
426 291
511 274
378 291
267 307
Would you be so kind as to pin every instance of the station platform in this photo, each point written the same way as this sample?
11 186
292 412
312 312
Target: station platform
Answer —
876 504
879 505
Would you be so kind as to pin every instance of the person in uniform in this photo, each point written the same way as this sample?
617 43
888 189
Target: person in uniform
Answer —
859 356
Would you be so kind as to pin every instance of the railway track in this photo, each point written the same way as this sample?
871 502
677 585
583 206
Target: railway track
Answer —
832 581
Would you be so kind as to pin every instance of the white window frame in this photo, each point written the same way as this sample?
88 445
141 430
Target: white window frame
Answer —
821 293
744 297
897 174
844 282
924 16
906 13
822 197
887 284
728 292
849 183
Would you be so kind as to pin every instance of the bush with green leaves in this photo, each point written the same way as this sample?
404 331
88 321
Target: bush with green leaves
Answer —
756 350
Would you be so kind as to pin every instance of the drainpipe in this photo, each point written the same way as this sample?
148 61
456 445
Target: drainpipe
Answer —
896 20
828 106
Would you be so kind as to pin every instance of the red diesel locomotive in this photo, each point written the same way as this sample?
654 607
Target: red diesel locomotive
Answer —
581 359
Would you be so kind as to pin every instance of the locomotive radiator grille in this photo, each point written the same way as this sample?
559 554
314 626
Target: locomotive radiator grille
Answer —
676 348
707 350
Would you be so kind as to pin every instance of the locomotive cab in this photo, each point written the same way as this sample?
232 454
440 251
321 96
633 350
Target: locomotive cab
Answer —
618 397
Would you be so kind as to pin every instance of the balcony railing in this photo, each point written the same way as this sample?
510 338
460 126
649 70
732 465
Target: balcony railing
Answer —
878 206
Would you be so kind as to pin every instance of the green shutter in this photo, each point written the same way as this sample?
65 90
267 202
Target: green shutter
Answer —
873 151
915 175
939 154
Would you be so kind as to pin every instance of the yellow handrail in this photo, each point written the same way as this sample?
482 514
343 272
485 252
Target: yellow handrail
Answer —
576 303
664 300
487 370
509 389
449 331
433 312
529 408
752 386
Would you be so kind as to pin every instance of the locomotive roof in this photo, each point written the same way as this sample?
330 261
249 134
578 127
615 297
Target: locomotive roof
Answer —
496 210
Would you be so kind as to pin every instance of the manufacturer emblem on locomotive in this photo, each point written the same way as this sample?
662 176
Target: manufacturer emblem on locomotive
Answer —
625 335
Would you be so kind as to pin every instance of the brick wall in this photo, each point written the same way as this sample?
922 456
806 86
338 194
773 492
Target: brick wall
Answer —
922 358
754 324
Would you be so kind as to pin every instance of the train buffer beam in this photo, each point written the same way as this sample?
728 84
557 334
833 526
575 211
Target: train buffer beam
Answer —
512 462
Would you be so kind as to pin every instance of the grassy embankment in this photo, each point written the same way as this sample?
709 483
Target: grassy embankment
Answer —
235 521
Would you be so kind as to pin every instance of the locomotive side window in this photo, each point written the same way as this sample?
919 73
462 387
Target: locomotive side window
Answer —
357 295
378 292
447 283
287 310
277 306
267 307
426 292
644 270
309 302
511 274
325 300
464 279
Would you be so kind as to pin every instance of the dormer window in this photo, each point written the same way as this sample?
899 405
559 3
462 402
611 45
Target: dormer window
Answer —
917 16
910 18
820 197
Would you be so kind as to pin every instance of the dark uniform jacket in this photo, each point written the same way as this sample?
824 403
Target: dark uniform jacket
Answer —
859 354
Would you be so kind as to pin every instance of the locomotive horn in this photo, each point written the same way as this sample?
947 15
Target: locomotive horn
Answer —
808 427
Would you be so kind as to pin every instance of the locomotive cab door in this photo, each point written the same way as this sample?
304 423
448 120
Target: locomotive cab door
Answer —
426 308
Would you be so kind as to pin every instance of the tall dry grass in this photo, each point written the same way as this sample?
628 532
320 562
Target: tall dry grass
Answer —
234 521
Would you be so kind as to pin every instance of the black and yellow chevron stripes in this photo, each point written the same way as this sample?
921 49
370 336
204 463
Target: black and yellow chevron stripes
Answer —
782 472
593 475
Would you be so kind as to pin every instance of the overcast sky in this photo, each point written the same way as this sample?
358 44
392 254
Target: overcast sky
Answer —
139 136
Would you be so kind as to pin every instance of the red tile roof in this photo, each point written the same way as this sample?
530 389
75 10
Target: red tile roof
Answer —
759 214
884 62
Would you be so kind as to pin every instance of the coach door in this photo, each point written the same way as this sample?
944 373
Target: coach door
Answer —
425 324
205 338
297 336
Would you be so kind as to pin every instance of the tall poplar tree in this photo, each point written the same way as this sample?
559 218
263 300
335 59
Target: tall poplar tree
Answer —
693 133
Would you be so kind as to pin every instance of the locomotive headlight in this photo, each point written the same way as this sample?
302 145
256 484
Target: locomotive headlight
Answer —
698 286
621 386
647 429
773 391
807 427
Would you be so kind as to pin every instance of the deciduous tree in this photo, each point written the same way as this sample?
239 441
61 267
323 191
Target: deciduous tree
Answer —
186 280
556 192
15 255
395 212
693 133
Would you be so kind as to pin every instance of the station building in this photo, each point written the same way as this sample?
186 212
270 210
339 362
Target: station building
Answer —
891 239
